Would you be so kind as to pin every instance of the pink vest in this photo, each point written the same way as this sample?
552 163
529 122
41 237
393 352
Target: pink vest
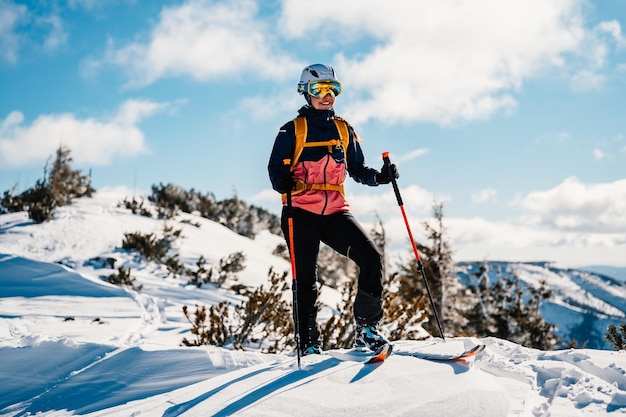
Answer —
324 171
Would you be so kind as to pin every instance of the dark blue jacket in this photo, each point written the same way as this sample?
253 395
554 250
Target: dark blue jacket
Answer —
318 163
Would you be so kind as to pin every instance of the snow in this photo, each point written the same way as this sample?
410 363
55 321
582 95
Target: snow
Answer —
73 344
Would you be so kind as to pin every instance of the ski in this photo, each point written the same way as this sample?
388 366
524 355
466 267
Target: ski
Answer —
448 356
381 355
440 352
364 357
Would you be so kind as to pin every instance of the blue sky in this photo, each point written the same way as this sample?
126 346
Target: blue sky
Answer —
510 113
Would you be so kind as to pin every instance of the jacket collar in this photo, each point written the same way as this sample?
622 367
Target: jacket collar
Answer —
313 113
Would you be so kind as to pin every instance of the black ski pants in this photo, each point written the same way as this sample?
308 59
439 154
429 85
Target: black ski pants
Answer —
341 232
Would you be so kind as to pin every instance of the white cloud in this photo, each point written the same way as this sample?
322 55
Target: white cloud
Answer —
481 232
416 153
57 36
484 196
382 201
574 206
598 154
586 80
91 140
267 196
613 28
444 61
585 222
266 107
11 16
594 53
441 61
480 239
203 40
15 22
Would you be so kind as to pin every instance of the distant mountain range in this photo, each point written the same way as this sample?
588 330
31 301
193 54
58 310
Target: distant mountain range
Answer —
584 303
610 271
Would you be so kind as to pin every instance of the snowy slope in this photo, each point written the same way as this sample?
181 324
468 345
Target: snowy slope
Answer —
119 357
616 272
72 344
95 227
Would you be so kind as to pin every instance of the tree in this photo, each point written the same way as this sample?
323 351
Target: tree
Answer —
439 259
438 267
64 182
504 307
615 337
403 302
59 186
39 202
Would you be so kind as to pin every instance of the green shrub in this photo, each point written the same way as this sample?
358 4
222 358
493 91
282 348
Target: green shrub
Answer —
150 246
263 320
59 186
123 278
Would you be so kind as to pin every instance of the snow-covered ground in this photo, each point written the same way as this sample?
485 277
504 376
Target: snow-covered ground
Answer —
72 344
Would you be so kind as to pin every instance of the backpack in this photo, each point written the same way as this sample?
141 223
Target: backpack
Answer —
301 130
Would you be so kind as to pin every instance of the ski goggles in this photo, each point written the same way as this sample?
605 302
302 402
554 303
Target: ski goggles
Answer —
319 89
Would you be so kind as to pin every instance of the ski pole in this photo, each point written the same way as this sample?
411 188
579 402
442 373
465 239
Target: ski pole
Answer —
292 257
420 267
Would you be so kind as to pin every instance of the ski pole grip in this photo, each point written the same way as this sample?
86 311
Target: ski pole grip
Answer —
386 158
394 183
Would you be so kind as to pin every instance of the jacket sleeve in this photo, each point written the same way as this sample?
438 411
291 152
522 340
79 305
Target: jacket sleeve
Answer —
356 162
284 147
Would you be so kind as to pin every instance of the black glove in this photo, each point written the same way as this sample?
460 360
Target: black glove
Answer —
387 172
286 182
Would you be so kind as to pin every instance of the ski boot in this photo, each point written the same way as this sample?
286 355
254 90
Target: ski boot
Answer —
368 337
313 349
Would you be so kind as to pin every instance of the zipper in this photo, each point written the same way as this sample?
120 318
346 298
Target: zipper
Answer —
325 191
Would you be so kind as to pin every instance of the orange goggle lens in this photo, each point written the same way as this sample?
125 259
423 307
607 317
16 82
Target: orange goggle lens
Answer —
320 89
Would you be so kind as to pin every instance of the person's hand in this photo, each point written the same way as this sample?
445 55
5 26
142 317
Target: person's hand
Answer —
386 174
286 183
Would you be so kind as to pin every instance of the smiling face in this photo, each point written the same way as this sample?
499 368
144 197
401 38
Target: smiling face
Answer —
325 103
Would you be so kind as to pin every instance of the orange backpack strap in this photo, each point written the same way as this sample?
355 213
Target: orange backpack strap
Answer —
302 129
344 134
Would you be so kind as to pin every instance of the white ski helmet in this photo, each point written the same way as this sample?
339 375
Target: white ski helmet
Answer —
317 73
